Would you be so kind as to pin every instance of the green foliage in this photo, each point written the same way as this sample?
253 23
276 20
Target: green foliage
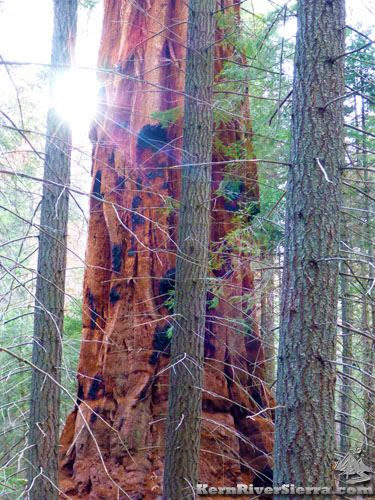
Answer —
169 303
89 4
19 200
268 225
360 66
261 78
169 206
73 320
167 117
72 341
169 332
213 303
231 189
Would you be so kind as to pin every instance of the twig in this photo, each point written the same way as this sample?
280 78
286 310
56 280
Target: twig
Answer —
180 422
279 107
322 169
273 208
359 130
358 32
325 106
333 59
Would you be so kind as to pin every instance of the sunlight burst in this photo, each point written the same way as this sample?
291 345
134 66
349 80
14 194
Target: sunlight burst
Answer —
75 96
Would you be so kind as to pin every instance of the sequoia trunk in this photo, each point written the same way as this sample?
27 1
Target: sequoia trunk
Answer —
131 256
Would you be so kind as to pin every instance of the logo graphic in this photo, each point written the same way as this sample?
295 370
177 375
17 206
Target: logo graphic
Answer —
352 465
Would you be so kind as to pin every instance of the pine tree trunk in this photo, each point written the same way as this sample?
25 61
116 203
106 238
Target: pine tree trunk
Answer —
347 360
131 260
267 320
43 437
187 346
371 400
304 433
368 305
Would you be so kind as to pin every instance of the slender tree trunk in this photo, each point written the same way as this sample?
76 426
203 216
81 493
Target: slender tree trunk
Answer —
365 270
43 439
267 320
368 303
186 375
371 399
347 355
304 433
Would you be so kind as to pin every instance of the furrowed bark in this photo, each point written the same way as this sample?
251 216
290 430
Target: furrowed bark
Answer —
347 355
43 437
304 446
267 321
187 346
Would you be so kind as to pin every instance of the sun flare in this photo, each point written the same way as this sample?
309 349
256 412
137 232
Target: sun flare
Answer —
75 96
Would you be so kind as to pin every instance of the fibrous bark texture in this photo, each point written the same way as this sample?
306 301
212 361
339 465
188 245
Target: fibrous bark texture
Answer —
347 355
181 469
43 436
114 440
304 446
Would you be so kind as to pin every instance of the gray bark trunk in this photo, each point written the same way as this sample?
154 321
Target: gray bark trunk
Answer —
43 437
267 320
347 356
186 376
368 304
304 440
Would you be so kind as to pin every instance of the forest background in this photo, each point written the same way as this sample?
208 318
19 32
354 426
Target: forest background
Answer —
268 39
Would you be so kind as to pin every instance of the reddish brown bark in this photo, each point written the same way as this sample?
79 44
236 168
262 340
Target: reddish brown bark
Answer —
131 250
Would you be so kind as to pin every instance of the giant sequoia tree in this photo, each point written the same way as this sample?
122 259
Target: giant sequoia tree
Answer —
113 441
304 445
